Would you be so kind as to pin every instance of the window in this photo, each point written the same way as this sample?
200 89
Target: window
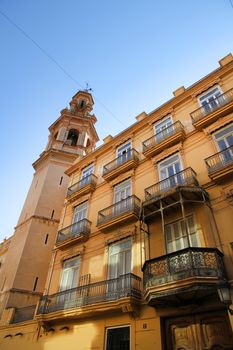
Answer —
211 99
224 140
119 265
80 212
123 153
176 235
122 191
86 172
72 137
119 259
118 338
170 169
161 129
70 274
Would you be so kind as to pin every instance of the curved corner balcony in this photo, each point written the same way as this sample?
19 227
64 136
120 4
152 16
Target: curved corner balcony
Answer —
77 232
183 276
125 211
164 139
84 186
121 164
220 165
210 112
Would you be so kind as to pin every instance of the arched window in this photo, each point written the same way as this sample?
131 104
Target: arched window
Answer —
72 137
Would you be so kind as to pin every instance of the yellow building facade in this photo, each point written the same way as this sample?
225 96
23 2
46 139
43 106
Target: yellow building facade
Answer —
143 254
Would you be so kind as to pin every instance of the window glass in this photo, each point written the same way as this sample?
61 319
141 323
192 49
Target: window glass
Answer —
122 191
176 235
87 171
161 127
118 338
120 259
70 273
80 212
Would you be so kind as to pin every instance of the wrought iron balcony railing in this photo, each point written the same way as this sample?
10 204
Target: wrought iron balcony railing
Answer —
24 314
220 160
212 106
78 229
128 285
162 135
131 203
185 177
114 164
90 179
188 262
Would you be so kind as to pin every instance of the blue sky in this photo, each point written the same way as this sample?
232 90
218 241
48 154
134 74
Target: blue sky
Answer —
132 53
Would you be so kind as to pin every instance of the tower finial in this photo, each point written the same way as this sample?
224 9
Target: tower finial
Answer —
87 89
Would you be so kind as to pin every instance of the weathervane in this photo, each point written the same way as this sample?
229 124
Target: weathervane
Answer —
88 88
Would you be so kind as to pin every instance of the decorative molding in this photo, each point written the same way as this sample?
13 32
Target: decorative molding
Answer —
218 124
81 200
72 253
166 153
122 177
120 235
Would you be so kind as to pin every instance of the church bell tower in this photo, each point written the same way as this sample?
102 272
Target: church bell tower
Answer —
71 136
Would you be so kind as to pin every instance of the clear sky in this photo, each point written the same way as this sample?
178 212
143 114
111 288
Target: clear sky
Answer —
132 53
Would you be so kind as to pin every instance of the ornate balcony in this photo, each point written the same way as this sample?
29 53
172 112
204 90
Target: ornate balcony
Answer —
210 112
164 139
125 162
77 232
85 185
183 276
220 165
126 210
122 293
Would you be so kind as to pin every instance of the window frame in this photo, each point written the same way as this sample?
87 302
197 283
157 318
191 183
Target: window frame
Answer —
117 327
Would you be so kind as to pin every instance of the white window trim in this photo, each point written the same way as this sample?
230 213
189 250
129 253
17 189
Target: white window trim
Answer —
73 222
180 159
206 92
114 327
217 131
119 242
122 145
197 229
162 120
114 189
86 168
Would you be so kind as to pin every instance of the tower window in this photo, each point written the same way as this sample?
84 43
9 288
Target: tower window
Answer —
52 214
61 179
82 104
35 284
72 137
46 238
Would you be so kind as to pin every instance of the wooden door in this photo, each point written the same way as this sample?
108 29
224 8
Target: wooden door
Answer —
210 331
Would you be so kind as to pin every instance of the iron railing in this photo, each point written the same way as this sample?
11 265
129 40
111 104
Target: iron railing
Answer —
132 154
220 160
162 135
81 228
128 285
212 106
90 179
131 203
188 262
24 314
185 177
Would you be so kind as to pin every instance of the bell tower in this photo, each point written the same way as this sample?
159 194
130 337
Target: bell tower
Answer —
71 136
